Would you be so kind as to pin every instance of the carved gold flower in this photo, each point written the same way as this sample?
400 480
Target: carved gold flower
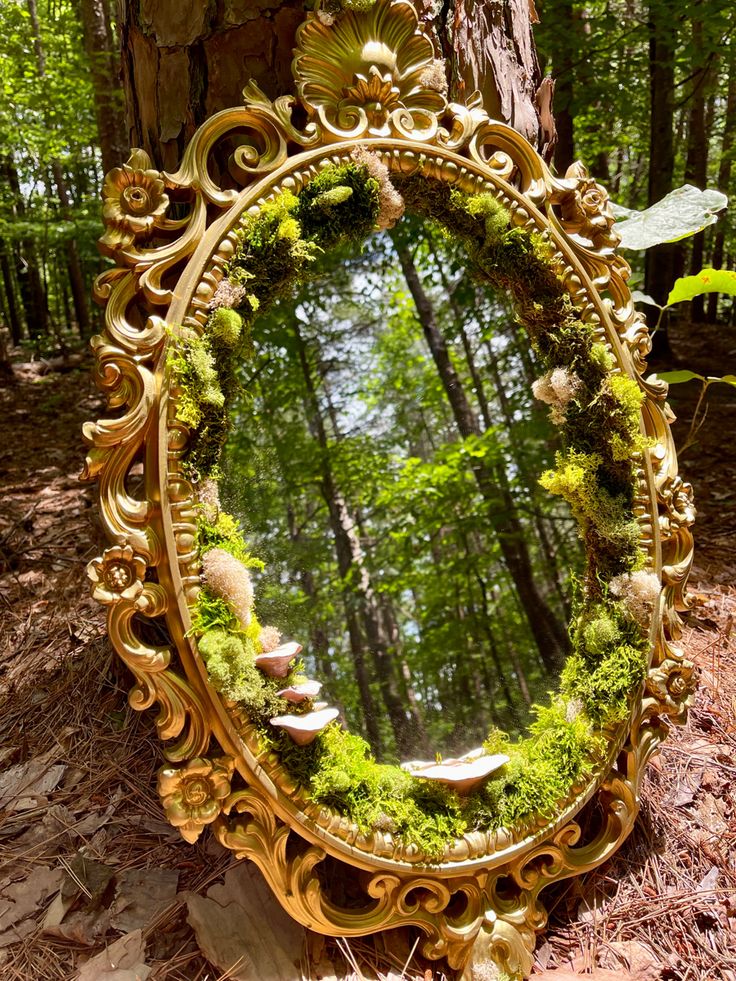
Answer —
134 200
117 574
586 210
356 72
672 684
192 795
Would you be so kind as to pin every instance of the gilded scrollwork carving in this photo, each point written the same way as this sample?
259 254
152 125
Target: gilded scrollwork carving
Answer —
372 78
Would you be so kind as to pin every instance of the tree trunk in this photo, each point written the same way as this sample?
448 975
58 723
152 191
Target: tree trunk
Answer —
361 600
13 312
74 264
548 633
30 283
105 66
183 62
724 177
661 261
696 162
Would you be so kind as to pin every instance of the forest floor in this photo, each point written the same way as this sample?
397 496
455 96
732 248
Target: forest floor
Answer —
87 861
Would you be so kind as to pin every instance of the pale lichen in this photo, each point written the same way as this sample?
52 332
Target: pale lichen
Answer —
557 388
639 592
390 202
228 294
229 579
269 639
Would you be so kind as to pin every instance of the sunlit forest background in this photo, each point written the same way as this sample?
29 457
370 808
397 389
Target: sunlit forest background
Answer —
408 545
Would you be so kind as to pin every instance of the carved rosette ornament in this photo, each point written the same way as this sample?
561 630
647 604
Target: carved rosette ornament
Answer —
370 79
192 795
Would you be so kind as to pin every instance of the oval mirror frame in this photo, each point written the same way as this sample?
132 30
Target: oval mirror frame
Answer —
167 270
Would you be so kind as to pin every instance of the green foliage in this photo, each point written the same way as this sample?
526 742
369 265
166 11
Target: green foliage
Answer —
680 214
706 281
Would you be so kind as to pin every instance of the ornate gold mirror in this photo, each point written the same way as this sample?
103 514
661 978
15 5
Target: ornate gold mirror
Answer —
223 335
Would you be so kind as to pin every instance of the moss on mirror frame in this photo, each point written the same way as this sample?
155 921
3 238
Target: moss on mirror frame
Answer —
598 413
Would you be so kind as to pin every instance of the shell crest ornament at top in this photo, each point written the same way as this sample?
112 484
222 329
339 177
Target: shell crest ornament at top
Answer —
359 72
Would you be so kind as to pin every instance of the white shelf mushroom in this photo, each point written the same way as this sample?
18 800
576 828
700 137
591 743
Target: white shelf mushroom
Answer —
304 729
276 663
463 775
301 691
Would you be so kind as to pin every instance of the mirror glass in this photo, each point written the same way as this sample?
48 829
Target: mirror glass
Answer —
384 462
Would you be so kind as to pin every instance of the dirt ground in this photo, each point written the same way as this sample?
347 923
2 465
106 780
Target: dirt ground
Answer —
88 863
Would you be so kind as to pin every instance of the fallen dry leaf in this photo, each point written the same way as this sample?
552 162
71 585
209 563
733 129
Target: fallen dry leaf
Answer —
123 960
597 974
241 928
24 785
140 895
19 900
633 955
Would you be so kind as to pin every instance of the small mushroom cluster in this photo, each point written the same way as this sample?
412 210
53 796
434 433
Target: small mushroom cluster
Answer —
303 729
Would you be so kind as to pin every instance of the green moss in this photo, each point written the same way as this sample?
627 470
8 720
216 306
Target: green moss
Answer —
225 533
600 636
230 660
329 215
605 690
329 199
192 365
226 326
210 613
275 249
358 5
575 478
387 798
495 217
543 768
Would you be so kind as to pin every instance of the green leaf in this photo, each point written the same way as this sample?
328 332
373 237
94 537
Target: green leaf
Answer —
682 213
706 281
676 377
727 379
638 297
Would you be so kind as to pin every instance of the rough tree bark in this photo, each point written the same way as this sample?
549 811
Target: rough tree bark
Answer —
185 59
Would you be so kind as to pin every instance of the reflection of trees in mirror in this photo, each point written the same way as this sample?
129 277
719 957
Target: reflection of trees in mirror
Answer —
393 528
597 409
